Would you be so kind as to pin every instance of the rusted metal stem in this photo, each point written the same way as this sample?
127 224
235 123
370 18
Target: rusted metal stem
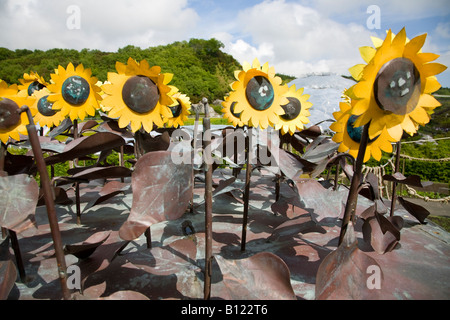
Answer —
352 199
18 255
49 202
336 176
148 237
248 176
394 184
208 203
194 147
2 167
2 156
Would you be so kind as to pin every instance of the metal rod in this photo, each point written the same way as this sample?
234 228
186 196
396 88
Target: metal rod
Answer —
148 236
394 184
194 147
2 167
49 202
17 254
352 199
2 156
336 176
248 176
208 203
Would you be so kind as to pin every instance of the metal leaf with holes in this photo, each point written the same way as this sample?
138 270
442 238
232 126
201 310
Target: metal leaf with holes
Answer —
162 191
263 276
18 199
343 273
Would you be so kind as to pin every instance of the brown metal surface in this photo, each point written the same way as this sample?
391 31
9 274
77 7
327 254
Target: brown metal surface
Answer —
84 249
208 205
419 212
263 276
343 273
87 145
49 202
161 191
18 198
8 275
352 199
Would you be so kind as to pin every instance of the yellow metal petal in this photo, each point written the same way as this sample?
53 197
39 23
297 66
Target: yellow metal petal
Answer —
357 71
367 53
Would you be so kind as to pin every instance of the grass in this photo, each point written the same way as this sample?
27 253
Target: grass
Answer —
443 222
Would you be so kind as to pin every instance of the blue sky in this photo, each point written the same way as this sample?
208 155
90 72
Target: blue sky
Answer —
296 37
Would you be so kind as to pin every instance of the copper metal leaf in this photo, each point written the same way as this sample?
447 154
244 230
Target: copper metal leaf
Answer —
291 228
87 247
263 276
419 212
87 145
343 274
167 260
162 191
18 199
111 189
324 203
8 275
412 180
382 233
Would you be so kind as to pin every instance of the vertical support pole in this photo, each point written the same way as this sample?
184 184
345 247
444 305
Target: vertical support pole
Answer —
77 184
17 254
248 176
336 176
2 167
235 146
352 199
394 184
194 147
148 237
49 202
208 203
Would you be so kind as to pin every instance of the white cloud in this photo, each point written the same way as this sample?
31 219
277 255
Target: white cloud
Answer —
443 30
104 24
296 39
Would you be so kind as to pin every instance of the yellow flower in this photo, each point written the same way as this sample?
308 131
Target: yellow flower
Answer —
74 92
348 136
138 95
179 109
46 116
296 111
31 82
230 115
394 88
13 124
257 95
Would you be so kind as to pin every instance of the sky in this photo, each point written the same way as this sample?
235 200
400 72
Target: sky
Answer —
296 37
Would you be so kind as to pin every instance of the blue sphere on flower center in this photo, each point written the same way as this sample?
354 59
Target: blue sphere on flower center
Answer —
76 90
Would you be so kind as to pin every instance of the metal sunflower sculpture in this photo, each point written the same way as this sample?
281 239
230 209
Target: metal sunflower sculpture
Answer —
257 95
31 82
13 124
179 109
394 88
348 136
296 111
74 92
46 115
229 113
138 95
